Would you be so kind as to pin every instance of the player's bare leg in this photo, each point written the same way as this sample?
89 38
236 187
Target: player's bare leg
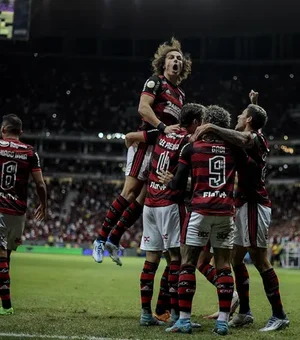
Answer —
146 288
244 317
225 287
186 288
278 320
6 308
131 190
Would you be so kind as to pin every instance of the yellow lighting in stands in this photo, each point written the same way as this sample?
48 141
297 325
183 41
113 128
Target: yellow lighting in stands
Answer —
286 149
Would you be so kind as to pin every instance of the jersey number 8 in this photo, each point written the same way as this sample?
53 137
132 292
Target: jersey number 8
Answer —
9 175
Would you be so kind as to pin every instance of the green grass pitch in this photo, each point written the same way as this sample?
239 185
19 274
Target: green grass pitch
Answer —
73 296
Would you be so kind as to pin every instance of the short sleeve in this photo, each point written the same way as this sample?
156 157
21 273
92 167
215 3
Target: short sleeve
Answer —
259 143
185 154
35 163
151 136
152 86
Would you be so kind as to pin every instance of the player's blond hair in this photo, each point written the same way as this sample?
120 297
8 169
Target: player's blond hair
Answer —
158 62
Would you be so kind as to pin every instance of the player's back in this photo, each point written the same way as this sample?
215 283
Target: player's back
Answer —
165 158
251 179
17 161
213 173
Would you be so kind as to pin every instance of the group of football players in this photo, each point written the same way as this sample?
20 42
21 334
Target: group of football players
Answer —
175 142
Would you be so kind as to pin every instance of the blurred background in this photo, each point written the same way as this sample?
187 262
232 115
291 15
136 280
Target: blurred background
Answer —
73 71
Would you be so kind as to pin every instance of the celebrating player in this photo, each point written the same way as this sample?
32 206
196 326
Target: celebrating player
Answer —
164 209
160 105
17 162
210 217
253 215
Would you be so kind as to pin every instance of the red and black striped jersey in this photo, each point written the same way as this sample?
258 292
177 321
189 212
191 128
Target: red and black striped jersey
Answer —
17 161
164 157
168 100
251 179
213 164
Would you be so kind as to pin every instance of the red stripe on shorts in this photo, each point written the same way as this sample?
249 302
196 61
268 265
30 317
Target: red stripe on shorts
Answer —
253 223
185 228
182 215
138 159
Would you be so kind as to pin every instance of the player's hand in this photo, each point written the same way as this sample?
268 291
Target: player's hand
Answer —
200 131
253 97
171 128
165 177
129 142
41 213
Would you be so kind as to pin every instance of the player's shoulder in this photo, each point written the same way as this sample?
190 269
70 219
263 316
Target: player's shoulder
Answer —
260 140
152 85
153 81
15 145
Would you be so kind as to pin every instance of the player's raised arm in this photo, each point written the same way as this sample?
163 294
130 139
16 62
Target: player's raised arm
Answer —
41 189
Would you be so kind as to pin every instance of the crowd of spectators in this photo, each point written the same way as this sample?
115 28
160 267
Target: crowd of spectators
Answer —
88 96
77 221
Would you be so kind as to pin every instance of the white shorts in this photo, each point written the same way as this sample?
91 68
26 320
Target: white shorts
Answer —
138 161
162 227
252 225
198 230
11 231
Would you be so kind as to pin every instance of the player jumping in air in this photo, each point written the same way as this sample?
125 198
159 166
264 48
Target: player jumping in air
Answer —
17 162
253 215
160 105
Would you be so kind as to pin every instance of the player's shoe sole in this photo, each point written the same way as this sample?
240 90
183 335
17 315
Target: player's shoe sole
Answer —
113 251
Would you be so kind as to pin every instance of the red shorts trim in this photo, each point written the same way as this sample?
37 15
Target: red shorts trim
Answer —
138 160
252 223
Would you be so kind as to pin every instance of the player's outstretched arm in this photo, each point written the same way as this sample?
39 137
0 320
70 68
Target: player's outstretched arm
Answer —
240 139
42 194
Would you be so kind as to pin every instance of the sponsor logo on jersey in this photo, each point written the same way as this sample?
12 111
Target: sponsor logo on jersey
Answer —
4 143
